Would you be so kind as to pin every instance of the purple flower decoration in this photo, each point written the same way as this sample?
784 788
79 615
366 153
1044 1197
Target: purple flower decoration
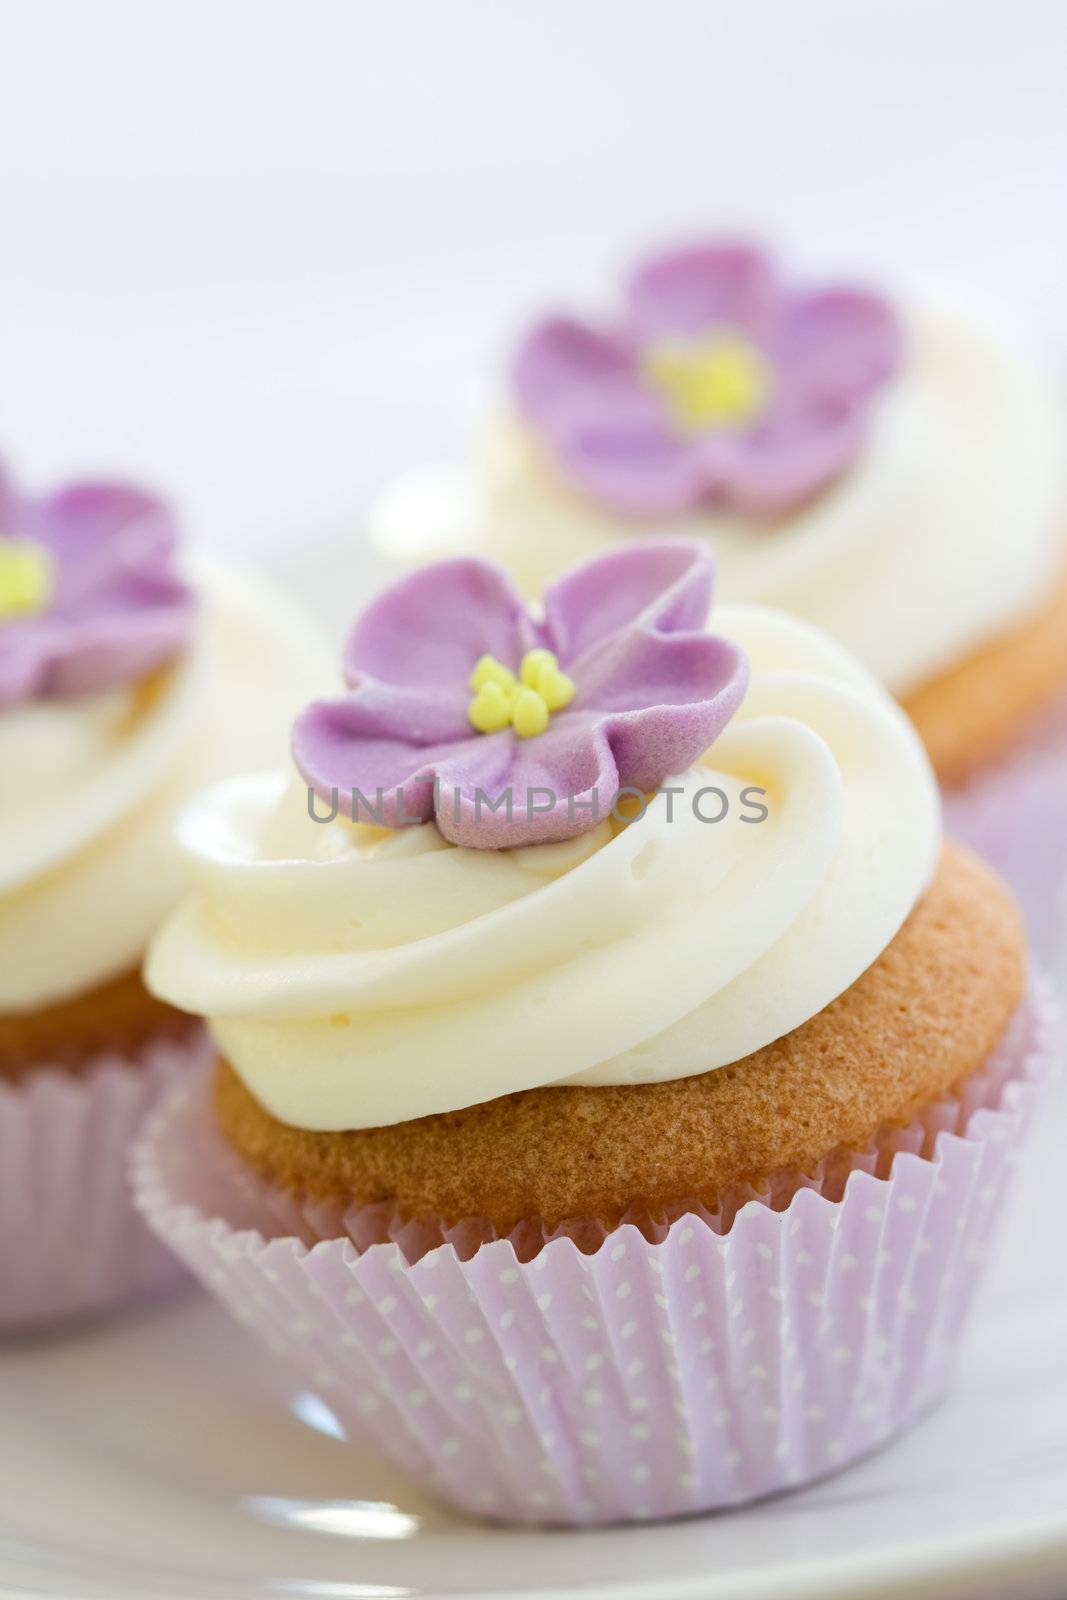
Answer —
719 387
88 594
530 728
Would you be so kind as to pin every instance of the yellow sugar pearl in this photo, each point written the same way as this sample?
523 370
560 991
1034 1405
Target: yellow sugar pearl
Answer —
533 664
555 688
525 703
488 669
529 714
722 381
26 578
490 710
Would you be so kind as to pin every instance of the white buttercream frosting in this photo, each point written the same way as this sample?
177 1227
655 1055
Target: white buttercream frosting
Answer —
356 977
945 532
89 789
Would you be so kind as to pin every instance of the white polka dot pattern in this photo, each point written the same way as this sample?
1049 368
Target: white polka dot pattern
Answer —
70 1241
646 1379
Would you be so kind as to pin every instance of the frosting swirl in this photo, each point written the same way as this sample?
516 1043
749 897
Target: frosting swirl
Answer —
942 533
89 787
356 977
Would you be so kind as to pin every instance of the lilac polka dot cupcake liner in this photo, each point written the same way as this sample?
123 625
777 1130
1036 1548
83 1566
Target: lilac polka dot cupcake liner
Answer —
70 1239
664 1367
1015 816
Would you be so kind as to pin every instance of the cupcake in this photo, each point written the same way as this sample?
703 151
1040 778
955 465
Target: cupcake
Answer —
892 474
616 1075
125 684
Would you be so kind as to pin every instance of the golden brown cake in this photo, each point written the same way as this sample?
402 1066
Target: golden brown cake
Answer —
970 715
116 1018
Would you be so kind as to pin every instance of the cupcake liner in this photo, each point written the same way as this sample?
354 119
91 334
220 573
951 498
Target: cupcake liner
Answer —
1014 815
70 1240
661 1368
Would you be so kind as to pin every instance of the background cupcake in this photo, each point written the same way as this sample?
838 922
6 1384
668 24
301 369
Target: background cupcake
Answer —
596 1167
126 681
890 473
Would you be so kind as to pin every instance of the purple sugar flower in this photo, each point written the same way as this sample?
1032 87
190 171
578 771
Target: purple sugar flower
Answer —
618 687
89 598
718 387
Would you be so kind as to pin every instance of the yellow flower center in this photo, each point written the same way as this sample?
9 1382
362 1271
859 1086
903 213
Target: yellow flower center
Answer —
721 381
26 578
525 703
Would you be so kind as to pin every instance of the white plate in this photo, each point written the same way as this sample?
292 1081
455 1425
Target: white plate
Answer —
159 1455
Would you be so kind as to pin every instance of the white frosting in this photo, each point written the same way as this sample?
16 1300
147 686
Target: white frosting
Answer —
944 533
89 790
356 978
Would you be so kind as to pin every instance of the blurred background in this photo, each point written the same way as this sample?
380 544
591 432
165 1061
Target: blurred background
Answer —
264 252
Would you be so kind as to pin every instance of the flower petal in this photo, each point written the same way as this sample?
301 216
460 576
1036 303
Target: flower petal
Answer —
776 468
413 715
837 342
102 535
428 631
491 790
541 796
110 646
25 650
567 374
638 670
654 584
640 471
566 780
660 687
119 610
343 746
689 291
